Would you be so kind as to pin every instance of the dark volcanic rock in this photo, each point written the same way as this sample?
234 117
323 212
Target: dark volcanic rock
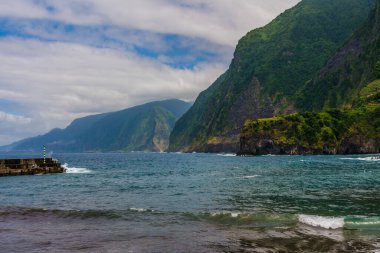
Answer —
351 145
358 144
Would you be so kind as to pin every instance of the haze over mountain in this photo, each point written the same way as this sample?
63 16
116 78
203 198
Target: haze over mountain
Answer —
270 68
141 128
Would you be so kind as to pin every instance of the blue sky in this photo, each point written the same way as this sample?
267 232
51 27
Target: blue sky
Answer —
66 59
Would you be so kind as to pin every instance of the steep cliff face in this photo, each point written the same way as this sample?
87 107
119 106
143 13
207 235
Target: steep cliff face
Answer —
348 131
270 64
356 64
343 83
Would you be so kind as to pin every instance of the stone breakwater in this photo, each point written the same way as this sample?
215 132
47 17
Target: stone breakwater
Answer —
30 166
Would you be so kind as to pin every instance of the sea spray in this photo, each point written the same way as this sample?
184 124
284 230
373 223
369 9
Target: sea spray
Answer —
367 159
75 170
323 222
351 222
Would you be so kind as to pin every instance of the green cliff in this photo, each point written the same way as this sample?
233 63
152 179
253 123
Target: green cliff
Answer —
141 128
270 66
357 63
349 81
332 131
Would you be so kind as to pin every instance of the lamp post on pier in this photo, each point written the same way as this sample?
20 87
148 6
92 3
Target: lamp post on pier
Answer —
44 153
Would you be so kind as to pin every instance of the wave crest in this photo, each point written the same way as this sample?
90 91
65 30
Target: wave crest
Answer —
368 159
227 155
322 222
361 221
141 210
75 170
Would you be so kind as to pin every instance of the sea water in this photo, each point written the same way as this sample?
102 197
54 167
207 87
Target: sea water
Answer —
173 202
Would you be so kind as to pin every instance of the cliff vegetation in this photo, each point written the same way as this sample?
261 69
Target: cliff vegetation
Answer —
270 67
332 131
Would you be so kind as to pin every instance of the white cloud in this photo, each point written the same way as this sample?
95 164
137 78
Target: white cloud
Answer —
12 126
56 82
219 21
14 119
59 82
21 8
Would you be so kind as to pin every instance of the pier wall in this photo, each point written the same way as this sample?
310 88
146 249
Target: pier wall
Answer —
30 166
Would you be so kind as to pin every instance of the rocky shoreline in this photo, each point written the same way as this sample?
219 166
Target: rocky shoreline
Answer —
350 146
325 133
30 166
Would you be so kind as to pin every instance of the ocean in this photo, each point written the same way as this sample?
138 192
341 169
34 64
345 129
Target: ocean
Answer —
174 202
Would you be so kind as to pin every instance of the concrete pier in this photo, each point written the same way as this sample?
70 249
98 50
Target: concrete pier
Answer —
30 166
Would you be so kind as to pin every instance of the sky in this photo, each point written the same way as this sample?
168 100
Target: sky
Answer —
61 60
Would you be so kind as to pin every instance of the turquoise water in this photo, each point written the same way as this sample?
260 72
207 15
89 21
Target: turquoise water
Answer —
151 202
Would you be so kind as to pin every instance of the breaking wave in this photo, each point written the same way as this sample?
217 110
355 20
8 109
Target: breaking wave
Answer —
236 217
351 222
329 223
368 159
362 221
75 170
323 222
140 210
248 177
241 177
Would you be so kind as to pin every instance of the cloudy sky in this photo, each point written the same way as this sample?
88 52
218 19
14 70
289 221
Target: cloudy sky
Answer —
61 60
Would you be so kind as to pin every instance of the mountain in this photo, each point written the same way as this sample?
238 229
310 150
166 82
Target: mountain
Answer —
333 131
357 63
349 81
141 128
270 67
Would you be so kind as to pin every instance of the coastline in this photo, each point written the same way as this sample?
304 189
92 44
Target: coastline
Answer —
29 166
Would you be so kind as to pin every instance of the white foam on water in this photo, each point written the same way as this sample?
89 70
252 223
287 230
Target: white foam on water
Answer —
248 177
232 214
140 210
241 177
368 159
322 222
362 221
227 155
75 170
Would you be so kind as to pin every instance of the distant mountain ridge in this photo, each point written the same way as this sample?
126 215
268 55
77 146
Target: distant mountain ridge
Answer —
141 128
270 67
